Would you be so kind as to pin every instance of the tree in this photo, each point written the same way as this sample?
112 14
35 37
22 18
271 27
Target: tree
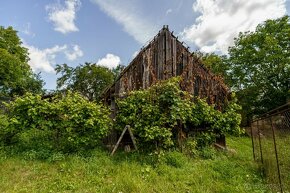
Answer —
218 65
88 79
118 70
16 76
259 66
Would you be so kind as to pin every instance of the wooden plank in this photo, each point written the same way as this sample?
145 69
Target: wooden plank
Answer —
145 74
162 51
160 55
168 60
132 137
165 68
119 140
174 56
151 66
156 59
127 127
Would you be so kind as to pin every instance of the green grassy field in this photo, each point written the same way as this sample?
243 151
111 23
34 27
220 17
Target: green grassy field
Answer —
270 162
233 171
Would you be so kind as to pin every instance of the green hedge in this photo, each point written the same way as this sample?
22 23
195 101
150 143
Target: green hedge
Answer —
64 123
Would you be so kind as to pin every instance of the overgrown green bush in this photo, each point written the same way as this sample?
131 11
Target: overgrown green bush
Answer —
175 159
64 123
3 126
158 113
190 147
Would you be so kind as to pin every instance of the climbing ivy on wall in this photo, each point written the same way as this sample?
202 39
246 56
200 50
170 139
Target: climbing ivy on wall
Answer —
159 112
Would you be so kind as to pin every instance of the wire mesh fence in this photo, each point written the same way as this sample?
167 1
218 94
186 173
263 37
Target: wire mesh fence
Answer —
271 147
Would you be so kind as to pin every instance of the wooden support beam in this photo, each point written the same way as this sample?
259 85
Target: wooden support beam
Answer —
132 137
127 127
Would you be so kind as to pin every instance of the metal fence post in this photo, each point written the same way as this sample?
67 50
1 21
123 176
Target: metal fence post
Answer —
260 144
253 145
276 153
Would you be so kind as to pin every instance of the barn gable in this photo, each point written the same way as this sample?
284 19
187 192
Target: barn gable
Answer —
165 57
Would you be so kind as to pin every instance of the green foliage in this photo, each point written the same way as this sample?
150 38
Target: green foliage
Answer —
257 67
16 76
3 125
207 153
190 147
200 146
260 66
203 140
132 172
89 79
117 71
218 65
158 113
175 159
65 123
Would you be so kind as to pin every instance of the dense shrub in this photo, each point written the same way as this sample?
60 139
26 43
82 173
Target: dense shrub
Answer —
64 123
158 113
3 126
175 159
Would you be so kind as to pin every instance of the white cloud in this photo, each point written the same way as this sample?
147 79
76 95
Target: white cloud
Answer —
41 60
44 60
27 30
126 13
168 11
220 21
110 60
74 54
63 17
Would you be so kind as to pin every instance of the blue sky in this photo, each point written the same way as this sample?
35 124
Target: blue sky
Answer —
109 32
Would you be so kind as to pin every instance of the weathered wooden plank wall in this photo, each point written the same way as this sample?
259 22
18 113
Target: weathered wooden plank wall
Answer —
165 57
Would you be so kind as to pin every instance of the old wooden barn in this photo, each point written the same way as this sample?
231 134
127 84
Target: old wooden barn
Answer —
165 57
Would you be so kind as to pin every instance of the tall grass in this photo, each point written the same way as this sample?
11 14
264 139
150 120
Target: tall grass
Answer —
270 167
230 172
